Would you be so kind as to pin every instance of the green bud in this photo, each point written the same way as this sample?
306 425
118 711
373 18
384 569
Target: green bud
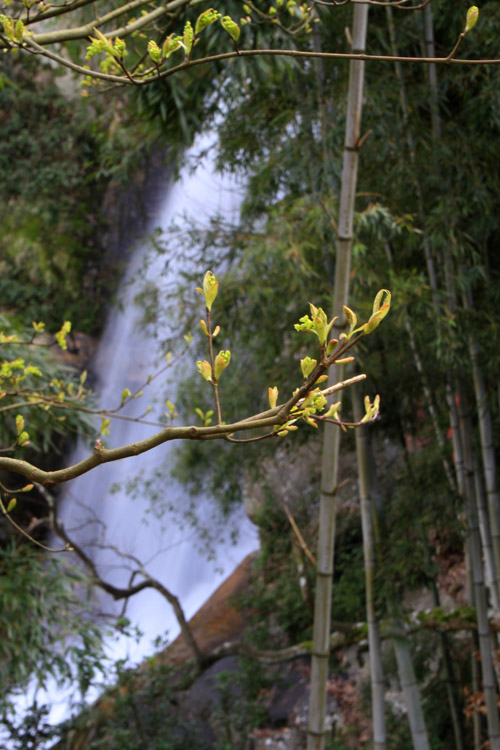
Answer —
170 45
188 38
332 412
231 27
381 307
350 317
19 424
205 19
105 425
221 362
61 335
371 409
273 397
12 504
120 47
472 16
210 289
317 323
154 51
205 370
307 365
19 31
344 360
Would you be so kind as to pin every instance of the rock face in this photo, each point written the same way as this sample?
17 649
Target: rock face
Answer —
217 621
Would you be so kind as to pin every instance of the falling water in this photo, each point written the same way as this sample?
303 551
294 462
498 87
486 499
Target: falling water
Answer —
127 354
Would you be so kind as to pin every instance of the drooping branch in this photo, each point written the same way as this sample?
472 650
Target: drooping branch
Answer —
117 592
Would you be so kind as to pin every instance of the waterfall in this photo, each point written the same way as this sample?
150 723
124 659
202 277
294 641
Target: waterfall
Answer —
126 355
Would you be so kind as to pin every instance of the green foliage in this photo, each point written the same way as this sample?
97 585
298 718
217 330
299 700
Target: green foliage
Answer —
240 711
141 711
274 601
34 388
44 619
348 600
50 209
32 729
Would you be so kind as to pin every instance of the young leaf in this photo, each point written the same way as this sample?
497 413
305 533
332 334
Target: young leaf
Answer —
205 370
205 19
221 362
471 20
61 335
19 424
188 38
273 396
231 27
12 504
210 289
154 51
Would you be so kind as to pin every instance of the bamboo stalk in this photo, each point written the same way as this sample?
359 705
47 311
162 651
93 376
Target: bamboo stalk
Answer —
375 648
410 689
316 731
474 542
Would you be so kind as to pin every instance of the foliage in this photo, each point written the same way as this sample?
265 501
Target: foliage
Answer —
34 383
141 710
50 217
277 613
45 621
240 711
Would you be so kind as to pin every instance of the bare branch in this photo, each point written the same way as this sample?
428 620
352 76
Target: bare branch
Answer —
147 582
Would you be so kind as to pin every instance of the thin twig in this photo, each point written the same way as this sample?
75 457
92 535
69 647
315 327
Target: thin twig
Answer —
298 534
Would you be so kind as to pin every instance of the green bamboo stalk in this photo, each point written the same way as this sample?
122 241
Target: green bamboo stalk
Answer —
316 731
485 532
474 542
487 454
400 640
410 688
375 648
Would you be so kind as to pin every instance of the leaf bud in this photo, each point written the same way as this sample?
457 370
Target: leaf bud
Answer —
205 19
273 397
307 365
210 289
205 370
188 38
231 27
154 51
472 16
12 504
221 362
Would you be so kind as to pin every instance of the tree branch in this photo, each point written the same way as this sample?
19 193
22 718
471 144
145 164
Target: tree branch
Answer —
147 582
101 455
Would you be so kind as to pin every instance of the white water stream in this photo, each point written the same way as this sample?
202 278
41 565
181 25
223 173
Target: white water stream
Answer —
126 355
